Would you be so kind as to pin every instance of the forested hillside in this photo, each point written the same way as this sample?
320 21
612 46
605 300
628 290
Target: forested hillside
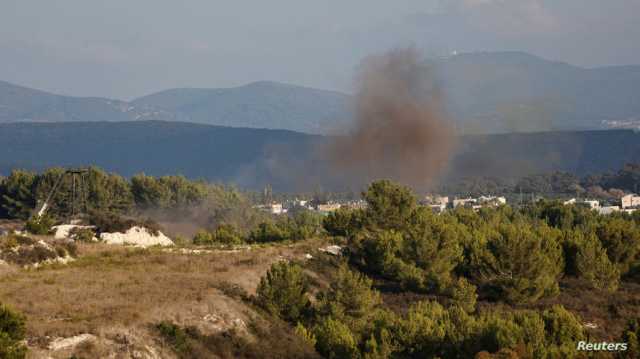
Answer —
253 158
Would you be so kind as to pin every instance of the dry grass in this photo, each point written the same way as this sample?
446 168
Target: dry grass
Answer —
111 286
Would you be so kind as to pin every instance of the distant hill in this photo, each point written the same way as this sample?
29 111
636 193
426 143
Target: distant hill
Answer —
516 91
256 105
492 92
287 160
22 104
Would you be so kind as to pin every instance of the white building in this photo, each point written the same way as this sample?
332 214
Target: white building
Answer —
608 209
630 200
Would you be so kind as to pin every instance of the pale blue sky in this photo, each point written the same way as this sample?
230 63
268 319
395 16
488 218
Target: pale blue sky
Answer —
129 48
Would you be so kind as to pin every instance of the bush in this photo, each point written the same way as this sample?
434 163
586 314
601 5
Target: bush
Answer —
283 291
518 262
203 238
82 234
39 225
349 297
335 340
268 232
12 331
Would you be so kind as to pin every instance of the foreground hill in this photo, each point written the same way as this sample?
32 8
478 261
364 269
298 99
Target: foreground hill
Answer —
253 157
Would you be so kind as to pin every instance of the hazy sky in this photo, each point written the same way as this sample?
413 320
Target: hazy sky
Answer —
129 48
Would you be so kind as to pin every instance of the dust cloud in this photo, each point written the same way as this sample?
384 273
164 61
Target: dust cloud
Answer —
400 131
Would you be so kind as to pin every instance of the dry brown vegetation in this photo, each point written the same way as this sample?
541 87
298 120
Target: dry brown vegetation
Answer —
112 291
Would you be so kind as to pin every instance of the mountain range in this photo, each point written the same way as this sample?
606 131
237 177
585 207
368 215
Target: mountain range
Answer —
288 160
488 92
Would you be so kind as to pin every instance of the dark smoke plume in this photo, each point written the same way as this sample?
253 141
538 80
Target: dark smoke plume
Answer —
401 130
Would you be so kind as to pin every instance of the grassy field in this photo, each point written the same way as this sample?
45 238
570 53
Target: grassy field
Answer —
117 293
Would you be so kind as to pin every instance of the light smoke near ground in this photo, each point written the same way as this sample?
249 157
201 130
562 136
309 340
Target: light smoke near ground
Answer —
401 131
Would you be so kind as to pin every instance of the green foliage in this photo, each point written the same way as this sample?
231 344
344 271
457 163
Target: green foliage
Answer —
349 297
176 336
305 334
335 340
283 291
585 258
621 238
225 234
518 262
268 232
631 336
17 195
342 222
463 294
389 205
12 332
562 327
39 225
82 234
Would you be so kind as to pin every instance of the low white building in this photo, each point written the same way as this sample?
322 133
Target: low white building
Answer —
463 202
608 209
630 200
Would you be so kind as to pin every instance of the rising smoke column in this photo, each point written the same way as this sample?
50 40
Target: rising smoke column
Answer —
400 129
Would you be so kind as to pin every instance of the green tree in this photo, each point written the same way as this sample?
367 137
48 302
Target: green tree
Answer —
150 193
343 222
592 263
621 238
518 262
283 291
389 205
18 194
349 297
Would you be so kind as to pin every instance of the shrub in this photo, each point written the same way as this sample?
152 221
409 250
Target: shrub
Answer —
518 262
463 294
82 234
342 222
268 232
12 331
283 291
203 238
349 297
335 340
226 234
39 225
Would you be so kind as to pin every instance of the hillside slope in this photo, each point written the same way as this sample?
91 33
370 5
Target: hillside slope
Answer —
256 105
22 104
253 157
515 91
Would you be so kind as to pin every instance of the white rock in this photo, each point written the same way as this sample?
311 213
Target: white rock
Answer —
137 236
64 343
335 250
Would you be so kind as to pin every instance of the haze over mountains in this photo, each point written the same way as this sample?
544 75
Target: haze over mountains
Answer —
486 93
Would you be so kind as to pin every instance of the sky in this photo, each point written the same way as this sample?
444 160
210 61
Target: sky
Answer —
125 49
